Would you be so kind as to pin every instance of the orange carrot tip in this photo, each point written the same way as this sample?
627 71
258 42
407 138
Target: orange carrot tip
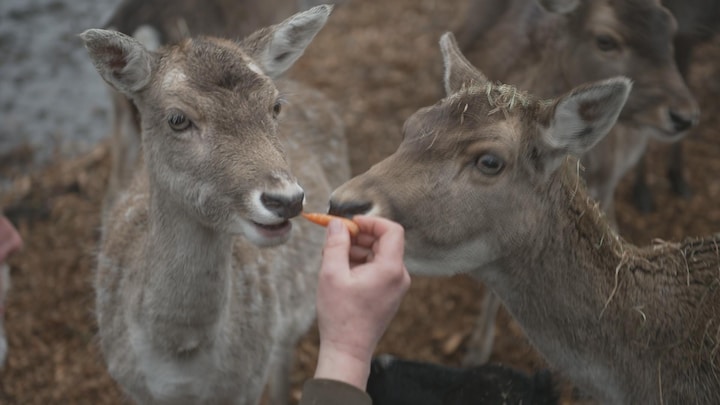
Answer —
324 220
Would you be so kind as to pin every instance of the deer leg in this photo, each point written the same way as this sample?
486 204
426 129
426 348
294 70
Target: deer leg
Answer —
675 173
483 336
683 57
642 197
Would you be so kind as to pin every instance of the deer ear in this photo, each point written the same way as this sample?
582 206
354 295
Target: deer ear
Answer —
459 72
276 48
582 117
120 59
559 6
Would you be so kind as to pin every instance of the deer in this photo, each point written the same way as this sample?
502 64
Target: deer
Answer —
548 47
487 182
203 283
698 22
158 22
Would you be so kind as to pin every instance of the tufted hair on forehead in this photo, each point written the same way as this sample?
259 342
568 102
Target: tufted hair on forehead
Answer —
475 104
468 115
212 64
500 97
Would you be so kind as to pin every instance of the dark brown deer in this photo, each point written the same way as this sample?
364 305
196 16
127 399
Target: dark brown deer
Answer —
698 22
201 291
483 185
548 47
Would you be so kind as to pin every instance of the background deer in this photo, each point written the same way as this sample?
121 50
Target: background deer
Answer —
159 22
547 47
482 184
698 21
202 292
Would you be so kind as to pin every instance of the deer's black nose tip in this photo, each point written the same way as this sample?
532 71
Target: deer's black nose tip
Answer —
349 208
680 122
282 205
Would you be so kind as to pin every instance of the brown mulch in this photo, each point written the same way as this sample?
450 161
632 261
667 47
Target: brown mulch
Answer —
380 62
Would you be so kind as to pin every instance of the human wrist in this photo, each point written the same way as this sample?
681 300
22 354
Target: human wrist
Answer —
350 368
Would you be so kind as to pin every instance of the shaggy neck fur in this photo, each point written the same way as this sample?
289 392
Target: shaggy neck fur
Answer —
627 324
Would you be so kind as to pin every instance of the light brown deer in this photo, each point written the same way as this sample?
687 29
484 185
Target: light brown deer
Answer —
483 185
159 22
202 292
547 47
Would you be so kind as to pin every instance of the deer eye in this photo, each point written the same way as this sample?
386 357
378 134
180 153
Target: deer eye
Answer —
606 43
489 164
276 109
178 121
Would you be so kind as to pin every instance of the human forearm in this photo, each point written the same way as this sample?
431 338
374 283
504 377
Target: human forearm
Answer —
335 364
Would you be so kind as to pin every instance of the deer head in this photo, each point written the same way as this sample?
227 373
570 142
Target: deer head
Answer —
209 115
470 179
605 38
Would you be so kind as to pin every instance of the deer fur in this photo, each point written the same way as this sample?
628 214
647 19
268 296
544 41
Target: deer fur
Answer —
203 285
483 185
548 47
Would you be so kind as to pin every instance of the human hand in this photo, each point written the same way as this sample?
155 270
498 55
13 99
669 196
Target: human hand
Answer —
362 282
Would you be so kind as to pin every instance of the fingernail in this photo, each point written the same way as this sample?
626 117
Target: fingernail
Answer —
335 227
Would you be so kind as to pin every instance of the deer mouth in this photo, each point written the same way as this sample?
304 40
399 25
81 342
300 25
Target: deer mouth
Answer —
273 230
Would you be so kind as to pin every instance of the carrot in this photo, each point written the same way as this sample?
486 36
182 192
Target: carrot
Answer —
324 220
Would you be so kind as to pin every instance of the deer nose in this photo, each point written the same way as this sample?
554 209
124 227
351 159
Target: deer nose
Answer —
350 208
681 122
283 206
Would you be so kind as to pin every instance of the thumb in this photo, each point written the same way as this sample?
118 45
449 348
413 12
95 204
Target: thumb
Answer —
336 252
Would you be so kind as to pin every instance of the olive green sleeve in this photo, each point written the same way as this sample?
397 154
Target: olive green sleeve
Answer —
331 392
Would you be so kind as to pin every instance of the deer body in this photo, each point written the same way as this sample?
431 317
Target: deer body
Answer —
482 185
202 292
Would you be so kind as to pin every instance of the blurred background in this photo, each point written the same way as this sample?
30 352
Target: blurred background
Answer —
52 103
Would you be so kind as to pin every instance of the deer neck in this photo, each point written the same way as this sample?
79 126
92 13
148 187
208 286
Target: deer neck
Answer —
189 266
559 283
